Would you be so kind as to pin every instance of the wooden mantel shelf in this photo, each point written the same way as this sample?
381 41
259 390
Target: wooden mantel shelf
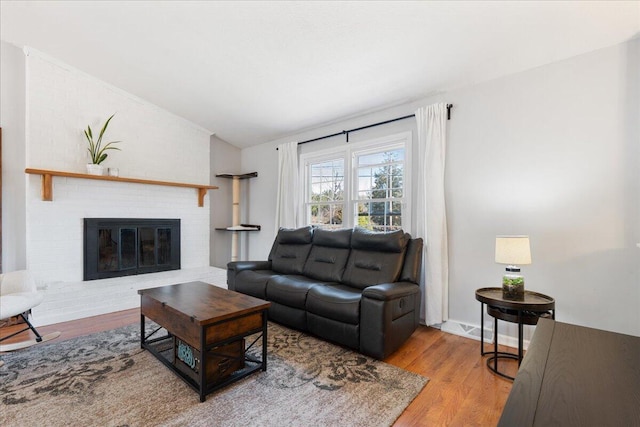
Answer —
47 182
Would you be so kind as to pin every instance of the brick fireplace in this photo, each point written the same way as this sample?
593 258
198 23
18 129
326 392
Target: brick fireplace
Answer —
55 243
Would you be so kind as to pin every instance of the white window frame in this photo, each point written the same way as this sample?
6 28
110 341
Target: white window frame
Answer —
349 153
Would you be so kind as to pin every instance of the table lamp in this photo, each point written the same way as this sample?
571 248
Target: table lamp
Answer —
513 251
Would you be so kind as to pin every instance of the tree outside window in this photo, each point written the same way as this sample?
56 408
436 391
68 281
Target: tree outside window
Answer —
380 190
327 193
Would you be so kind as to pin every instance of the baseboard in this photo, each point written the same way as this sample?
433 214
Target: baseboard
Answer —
467 331
473 332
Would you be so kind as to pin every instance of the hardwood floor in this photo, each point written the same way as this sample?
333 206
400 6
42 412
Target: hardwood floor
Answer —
461 390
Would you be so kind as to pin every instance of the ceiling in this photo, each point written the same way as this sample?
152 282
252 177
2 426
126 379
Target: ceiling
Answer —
252 72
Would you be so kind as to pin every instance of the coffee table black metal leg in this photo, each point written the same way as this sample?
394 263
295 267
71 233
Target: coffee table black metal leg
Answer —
264 341
142 331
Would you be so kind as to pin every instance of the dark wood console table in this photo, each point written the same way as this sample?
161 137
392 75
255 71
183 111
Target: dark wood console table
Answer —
576 376
523 312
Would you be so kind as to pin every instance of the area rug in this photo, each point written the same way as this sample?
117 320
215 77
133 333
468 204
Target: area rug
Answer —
105 379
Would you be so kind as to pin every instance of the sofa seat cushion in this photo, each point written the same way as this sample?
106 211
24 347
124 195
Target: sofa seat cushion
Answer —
290 290
336 302
254 282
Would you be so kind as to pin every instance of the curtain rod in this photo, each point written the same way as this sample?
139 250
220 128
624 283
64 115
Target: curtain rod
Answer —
347 132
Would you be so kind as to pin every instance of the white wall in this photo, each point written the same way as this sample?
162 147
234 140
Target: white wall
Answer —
553 152
62 101
12 121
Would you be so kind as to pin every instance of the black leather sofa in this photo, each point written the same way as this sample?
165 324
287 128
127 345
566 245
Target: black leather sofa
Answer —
353 287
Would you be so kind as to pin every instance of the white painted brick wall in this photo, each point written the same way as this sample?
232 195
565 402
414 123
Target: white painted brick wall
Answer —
62 101
157 145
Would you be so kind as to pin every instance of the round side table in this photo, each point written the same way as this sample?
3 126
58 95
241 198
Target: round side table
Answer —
526 311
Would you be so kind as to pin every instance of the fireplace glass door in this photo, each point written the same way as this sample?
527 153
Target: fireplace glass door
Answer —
121 247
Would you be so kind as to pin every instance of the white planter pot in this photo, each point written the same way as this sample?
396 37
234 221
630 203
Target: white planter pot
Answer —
93 169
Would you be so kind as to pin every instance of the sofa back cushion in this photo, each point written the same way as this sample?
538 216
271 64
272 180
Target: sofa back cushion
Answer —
412 262
329 255
375 258
290 250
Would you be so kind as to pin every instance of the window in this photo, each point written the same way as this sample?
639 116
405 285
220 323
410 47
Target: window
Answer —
380 189
326 193
362 185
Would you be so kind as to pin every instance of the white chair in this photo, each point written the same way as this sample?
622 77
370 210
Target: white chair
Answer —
18 295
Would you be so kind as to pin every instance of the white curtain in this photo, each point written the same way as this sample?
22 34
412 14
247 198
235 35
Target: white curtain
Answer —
287 202
431 215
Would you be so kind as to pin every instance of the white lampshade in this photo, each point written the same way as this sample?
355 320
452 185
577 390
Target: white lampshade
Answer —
513 250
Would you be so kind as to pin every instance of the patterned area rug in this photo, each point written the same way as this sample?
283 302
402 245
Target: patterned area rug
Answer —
105 379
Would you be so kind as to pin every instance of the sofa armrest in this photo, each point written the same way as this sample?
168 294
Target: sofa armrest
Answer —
389 313
235 267
389 291
239 266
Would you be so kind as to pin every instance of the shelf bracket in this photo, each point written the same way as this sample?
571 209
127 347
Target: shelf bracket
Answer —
201 193
47 187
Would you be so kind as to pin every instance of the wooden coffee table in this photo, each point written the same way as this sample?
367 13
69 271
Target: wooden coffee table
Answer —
207 327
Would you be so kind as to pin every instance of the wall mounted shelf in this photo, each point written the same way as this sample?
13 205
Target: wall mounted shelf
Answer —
240 176
241 227
47 182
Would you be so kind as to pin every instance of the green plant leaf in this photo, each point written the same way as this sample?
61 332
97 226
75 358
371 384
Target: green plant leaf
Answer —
109 147
104 128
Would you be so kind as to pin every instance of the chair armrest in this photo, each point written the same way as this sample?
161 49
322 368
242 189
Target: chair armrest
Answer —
17 281
390 291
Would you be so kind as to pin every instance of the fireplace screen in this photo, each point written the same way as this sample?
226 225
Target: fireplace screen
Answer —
116 247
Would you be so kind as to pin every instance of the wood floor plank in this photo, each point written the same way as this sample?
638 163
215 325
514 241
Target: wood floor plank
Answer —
461 390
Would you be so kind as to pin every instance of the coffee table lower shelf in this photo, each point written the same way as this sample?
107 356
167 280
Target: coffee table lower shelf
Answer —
222 359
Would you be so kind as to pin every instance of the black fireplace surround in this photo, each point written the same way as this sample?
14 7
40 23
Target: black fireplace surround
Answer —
115 247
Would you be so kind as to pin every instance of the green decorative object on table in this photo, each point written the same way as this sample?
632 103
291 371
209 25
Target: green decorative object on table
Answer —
97 150
512 286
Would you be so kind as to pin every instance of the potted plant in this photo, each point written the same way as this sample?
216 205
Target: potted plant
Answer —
97 150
